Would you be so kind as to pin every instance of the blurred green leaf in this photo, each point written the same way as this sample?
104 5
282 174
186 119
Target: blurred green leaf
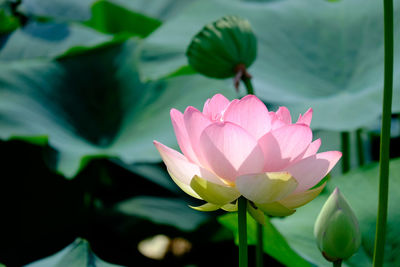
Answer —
78 254
50 40
112 22
108 17
298 228
172 212
95 105
274 243
184 70
36 140
60 10
79 10
160 9
8 23
328 56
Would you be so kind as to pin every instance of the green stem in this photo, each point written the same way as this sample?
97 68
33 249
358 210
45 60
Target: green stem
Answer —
385 135
360 148
337 263
345 139
242 222
259 247
249 86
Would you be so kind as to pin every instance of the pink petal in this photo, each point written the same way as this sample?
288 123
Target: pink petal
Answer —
283 145
309 171
181 168
295 200
312 148
195 123
214 107
230 150
275 121
306 118
266 187
182 135
283 114
249 113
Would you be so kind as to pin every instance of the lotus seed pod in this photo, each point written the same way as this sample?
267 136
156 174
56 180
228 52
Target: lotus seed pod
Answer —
223 48
336 229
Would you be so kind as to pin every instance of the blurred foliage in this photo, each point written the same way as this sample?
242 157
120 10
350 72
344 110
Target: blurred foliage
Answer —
105 18
297 229
95 105
42 212
274 243
50 40
60 10
86 85
77 254
310 53
360 189
8 22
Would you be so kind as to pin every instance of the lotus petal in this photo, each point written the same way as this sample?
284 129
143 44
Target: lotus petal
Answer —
275 209
230 151
206 207
181 170
266 187
283 145
214 107
214 193
309 171
249 113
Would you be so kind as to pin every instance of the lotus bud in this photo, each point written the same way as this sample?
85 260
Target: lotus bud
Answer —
223 49
336 229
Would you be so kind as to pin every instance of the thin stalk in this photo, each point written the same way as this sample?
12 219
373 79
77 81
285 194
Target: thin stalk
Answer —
259 247
242 227
249 86
385 135
345 139
337 263
360 148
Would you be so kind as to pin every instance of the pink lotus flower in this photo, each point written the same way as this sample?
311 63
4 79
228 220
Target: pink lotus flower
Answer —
240 148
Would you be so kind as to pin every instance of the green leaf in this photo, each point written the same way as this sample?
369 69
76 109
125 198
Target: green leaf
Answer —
36 140
184 70
274 243
77 254
8 23
168 211
298 228
95 105
160 9
50 40
311 54
60 10
108 17
79 10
